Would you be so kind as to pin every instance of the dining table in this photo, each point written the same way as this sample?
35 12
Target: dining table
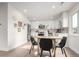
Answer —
53 38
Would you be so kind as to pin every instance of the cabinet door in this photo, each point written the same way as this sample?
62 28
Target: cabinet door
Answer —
65 20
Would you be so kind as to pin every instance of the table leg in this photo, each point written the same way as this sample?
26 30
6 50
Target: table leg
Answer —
54 48
38 46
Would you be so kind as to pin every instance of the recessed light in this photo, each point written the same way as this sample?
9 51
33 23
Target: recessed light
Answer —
51 17
53 6
25 10
34 18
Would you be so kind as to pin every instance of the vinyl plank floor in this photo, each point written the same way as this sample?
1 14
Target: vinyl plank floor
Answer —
23 51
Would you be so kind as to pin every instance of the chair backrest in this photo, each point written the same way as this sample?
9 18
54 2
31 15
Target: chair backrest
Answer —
46 44
63 42
32 40
41 34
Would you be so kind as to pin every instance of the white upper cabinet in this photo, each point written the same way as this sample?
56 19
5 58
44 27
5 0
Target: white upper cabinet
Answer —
65 19
56 24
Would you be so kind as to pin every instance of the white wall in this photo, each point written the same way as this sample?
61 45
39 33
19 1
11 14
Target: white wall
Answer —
51 24
16 38
73 38
3 26
9 36
74 43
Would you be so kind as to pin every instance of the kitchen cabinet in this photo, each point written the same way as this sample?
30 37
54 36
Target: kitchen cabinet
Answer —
65 19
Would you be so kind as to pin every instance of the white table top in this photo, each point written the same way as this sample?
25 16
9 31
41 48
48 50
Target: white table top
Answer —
50 37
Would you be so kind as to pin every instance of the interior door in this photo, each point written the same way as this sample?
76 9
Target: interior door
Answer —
28 32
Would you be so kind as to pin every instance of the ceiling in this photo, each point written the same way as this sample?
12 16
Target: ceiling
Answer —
42 10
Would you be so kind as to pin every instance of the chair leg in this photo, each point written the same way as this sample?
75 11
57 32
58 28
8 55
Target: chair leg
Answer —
65 52
50 53
31 49
41 52
54 52
62 50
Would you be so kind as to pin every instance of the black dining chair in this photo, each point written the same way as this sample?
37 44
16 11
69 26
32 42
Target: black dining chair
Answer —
62 45
33 42
41 34
46 44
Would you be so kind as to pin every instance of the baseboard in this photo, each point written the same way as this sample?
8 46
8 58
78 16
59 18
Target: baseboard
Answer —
4 49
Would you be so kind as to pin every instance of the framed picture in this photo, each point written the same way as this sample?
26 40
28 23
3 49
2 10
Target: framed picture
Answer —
19 24
15 25
24 24
19 29
42 26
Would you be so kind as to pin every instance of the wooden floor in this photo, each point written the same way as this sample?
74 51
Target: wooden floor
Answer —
23 51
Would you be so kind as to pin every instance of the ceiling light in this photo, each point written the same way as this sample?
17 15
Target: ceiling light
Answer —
25 10
62 2
34 18
51 17
53 6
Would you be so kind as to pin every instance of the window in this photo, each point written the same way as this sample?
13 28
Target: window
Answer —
75 22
